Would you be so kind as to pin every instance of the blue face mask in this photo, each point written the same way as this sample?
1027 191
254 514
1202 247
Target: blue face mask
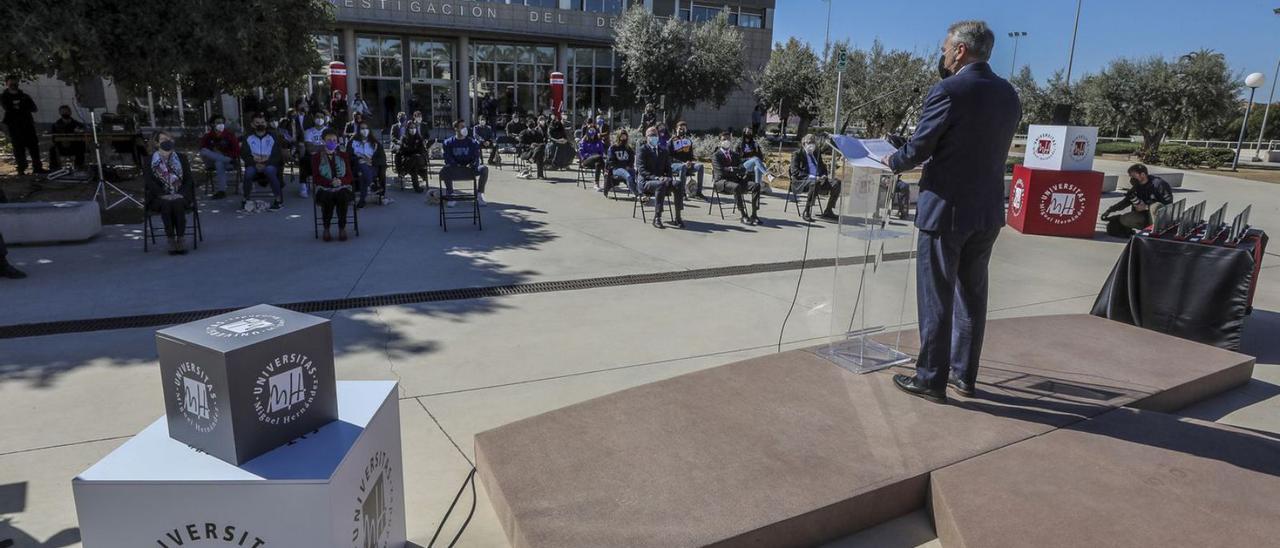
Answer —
653 140
331 146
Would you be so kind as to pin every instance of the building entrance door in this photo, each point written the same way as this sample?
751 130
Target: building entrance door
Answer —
374 91
437 100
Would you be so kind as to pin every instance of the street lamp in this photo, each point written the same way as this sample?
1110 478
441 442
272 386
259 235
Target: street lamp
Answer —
1257 150
1013 65
1253 82
826 40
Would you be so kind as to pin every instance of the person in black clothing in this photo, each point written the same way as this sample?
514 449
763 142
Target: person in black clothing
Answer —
413 152
516 126
66 125
809 176
390 104
532 140
7 270
487 137
18 110
559 151
653 176
170 190
1146 191
619 163
728 176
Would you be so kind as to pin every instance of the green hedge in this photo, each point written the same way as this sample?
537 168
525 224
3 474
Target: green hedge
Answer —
1186 157
1117 147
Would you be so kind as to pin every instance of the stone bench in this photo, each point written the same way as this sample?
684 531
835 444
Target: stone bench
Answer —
49 222
1174 179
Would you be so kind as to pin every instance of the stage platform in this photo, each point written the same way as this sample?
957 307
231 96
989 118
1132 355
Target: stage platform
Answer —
1125 478
790 450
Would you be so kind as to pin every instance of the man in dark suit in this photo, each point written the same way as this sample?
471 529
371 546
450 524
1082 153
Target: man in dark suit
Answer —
965 130
653 177
729 177
809 177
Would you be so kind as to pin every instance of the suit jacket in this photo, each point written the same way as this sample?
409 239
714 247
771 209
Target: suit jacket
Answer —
800 165
964 132
653 163
727 168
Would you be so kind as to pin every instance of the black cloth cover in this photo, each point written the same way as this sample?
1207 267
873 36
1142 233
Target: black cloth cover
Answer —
1189 290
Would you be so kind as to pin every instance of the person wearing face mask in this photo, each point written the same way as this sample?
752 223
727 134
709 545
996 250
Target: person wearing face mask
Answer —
753 157
604 128
964 131
353 127
170 190
591 152
649 118
559 152
397 139
331 177
809 177
219 148
516 126
620 164
19 109
66 125
367 159
486 135
729 177
682 161
532 140
262 154
462 161
653 177
1146 192
413 149
338 108
312 142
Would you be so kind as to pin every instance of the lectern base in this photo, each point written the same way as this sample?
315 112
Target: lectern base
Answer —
859 354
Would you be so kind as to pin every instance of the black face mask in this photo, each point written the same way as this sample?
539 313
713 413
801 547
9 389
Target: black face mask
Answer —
66 116
166 146
943 71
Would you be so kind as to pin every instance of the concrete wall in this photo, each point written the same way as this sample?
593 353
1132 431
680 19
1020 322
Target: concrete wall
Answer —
49 93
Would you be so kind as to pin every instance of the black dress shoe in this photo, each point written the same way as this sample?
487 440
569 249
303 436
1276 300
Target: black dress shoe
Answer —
828 216
219 195
911 386
678 223
657 223
8 271
962 387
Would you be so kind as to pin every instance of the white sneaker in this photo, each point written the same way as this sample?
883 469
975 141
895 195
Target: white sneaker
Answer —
387 200
303 192
480 198
450 203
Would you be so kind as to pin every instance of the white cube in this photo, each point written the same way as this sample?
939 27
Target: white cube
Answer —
339 486
1061 148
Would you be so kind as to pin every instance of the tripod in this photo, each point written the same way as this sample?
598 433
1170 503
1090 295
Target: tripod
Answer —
103 185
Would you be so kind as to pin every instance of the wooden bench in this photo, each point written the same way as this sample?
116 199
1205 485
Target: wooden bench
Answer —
49 222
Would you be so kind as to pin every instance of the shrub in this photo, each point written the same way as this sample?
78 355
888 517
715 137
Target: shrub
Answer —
1116 147
1187 157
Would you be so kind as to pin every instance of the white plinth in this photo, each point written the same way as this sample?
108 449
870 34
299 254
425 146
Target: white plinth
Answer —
339 486
1060 148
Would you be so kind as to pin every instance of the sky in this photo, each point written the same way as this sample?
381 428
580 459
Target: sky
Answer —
1247 31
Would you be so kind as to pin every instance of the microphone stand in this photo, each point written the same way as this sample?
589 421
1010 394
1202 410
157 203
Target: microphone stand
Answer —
101 191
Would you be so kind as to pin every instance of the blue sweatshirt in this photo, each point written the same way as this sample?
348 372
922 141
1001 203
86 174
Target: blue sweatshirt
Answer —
461 152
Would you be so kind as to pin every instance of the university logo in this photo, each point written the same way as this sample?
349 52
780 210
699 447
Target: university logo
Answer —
285 389
197 400
1079 148
375 505
1062 203
217 535
244 326
1019 190
1045 146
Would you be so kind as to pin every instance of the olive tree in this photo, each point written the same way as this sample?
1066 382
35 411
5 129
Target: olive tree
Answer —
791 83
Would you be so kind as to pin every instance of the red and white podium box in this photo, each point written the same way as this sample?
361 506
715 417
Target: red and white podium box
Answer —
1061 148
1054 203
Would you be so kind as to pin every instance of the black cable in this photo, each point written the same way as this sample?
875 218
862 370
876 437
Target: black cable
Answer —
804 259
470 479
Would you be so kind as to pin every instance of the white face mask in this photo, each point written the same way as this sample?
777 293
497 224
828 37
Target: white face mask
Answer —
413 131
810 148
463 132
219 127
364 132
319 121
725 144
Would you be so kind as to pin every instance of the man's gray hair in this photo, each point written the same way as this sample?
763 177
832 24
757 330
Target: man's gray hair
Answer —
975 35
810 138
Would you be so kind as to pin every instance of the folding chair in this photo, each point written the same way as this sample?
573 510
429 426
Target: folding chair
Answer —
211 172
455 174
353 215
717 194
642 201
150 230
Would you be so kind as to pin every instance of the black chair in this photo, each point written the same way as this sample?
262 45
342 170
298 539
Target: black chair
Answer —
150 229
353 214
261 188
211 172
719 201
642 201
619 182
586 174
506 142
461 197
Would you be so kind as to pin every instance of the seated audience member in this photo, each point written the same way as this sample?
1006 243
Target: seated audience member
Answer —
299 122
605 129
649 118
7 270
170 190
809 176
516 126
349 131
653 177
1145 191
462 158
559 150
396 133
66 125
284 129
729 177
413 152
753 156
219 148
620 164
683 162
366 154
312 143
591 152
532 140
486 136
331 179
262 154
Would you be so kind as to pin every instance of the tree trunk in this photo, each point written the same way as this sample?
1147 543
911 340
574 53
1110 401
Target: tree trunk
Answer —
782 124
802 129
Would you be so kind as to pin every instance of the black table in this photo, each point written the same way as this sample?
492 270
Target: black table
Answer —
1186 289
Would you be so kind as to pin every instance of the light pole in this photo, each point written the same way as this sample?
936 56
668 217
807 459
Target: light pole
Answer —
1257 150
1013 65
826 39
1253 82
1072 56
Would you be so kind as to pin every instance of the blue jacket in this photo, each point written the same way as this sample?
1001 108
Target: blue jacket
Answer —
965 131
461 152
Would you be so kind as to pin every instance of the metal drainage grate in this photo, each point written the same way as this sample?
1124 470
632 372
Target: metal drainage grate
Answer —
329 305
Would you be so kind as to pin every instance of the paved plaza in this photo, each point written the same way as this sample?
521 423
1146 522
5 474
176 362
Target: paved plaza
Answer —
469 365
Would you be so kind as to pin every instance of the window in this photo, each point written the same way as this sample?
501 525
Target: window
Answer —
590 81
379 57
737 16
604 6
539 3
516 74
699 14
750 20
330 48
430 60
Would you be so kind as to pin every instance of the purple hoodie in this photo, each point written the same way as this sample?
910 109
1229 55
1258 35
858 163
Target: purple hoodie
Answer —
588 149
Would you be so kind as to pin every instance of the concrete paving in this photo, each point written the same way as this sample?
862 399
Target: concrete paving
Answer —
467 366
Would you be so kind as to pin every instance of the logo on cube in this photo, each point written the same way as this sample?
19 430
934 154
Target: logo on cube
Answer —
287 389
